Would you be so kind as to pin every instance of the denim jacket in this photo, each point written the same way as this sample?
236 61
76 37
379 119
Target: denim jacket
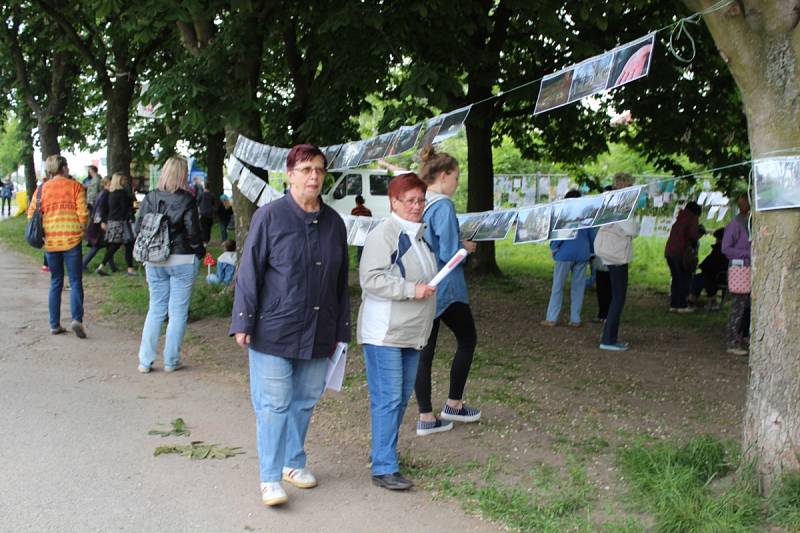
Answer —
442 235
292 294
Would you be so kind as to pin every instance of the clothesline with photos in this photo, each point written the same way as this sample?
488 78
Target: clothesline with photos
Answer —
776 186
610 70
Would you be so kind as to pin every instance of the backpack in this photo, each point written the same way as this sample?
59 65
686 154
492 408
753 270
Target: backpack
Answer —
153 242
34 231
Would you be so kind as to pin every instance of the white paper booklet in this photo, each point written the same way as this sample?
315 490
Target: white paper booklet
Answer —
336 364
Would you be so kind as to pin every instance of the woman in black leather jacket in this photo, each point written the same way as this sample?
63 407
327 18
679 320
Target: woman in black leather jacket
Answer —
170 282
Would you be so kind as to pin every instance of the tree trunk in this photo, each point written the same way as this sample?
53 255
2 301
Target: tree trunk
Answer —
48 135
26 123
118 102
215 158
759 42
772 418
480 191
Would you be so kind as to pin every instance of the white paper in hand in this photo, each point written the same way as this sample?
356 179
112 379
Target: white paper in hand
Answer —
336 364
449 267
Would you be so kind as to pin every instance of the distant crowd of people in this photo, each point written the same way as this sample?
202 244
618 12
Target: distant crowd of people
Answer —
608 251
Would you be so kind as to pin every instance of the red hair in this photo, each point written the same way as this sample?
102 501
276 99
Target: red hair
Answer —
303 152
405 182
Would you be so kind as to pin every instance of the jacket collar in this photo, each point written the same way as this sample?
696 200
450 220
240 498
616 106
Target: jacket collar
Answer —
413 229
309 217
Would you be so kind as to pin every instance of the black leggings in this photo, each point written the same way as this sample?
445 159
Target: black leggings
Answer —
111 249
457 317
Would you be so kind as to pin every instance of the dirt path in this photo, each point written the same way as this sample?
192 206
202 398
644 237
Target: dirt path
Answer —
75 454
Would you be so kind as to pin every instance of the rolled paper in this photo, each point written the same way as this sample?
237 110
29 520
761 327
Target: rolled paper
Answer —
449 267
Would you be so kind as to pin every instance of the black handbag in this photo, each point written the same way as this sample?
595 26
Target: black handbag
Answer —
34 231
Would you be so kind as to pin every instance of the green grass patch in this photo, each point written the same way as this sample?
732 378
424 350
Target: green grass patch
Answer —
784 502
675 484
547 502
12 233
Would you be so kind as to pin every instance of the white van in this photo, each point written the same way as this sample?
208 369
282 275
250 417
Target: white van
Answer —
373 184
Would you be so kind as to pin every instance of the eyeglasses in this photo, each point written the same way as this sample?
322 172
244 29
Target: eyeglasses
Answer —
307 171
411 201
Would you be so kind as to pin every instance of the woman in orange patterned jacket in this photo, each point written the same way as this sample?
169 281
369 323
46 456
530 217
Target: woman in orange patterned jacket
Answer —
64 217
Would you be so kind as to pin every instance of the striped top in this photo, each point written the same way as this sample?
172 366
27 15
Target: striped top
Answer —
64 213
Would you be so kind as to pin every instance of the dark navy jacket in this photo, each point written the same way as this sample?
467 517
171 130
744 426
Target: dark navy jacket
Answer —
292 293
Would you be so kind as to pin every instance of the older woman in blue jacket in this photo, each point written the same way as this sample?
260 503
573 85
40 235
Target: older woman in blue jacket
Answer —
571 256
291 309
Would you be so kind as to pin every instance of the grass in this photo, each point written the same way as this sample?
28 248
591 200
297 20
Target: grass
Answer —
545 501
675 483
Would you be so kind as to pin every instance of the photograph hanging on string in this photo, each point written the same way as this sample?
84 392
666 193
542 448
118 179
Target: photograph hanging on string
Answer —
268 195
495 226
330 153
468 224
452 124
263 156
590 77
405 139
618 205
777 183
533 224
647 227
563 234
350 155
277 159
631 61
432 128
554 91
234 168
578 213
359 231
250 185
378 147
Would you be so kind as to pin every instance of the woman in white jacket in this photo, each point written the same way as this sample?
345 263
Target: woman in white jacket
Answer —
614 245
395 319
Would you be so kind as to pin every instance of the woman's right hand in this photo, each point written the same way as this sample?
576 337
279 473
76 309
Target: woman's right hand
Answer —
243 340
103 226
469 246
423 292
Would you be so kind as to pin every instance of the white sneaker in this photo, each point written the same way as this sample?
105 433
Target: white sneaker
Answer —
273 494
302 478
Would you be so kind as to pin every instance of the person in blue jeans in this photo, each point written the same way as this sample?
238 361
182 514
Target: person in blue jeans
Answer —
571 256
170 282
395 319
291 312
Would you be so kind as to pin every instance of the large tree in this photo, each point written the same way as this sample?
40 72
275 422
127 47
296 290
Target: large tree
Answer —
759 41
45 70
116 41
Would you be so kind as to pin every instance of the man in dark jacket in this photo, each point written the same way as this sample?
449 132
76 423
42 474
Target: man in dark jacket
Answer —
206 203
681 255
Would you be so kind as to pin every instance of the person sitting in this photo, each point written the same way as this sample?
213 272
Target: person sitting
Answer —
226 265
712 273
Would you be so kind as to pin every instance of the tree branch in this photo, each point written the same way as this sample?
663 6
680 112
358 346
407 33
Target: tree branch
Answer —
189 37
82 46
21 68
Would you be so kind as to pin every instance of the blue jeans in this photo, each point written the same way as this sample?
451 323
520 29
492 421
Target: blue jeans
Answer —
57 261
170 292
391 373
577 287
284 393
619 289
